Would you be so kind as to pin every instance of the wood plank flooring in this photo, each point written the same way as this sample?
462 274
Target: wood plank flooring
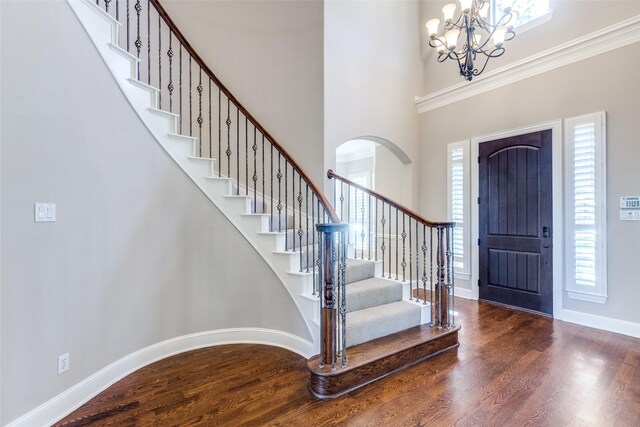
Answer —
512 369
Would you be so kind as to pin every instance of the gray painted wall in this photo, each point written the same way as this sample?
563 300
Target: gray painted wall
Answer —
372 70
270 55
138 254
605 82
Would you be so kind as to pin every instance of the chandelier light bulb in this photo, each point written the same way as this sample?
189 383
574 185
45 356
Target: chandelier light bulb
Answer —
448 12
432 27
499 36
452 38
465 5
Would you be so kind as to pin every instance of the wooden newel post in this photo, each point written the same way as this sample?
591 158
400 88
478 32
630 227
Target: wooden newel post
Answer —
329 282
442 292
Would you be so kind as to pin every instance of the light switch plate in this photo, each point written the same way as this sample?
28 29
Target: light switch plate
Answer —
44 212
630 215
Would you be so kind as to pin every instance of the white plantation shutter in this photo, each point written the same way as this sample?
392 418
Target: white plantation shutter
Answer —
586 208
458 206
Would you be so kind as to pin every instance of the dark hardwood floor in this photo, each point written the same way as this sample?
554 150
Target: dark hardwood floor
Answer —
512 369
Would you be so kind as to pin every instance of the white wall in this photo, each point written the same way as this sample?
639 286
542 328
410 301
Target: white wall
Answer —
269 54
372 72
138 254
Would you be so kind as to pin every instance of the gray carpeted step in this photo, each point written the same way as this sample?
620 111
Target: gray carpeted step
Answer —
358 269
372 292
375 322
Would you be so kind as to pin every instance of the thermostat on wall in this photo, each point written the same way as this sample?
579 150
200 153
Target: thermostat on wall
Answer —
630 202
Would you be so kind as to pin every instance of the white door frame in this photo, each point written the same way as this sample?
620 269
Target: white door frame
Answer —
558 206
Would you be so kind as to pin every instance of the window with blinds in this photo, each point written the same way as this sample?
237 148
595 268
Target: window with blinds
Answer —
586 207
458 205
359 212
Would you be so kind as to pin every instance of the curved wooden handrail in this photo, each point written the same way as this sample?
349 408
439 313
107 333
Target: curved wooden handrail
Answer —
191 51
401 208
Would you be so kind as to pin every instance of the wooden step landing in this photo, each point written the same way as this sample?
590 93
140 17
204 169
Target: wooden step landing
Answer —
376 359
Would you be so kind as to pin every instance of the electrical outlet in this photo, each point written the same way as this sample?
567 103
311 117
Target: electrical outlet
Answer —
63 363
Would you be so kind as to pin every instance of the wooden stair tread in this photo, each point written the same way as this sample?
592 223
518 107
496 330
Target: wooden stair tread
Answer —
378 358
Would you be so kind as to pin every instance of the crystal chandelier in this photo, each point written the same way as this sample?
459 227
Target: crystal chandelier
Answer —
473 31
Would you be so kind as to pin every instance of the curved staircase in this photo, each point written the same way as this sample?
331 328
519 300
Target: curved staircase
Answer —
276 207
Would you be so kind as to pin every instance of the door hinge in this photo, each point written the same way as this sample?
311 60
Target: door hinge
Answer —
478 242
478 282
478 159
478 200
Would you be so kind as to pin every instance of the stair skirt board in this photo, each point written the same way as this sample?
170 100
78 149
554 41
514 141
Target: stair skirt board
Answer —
71 399
379 358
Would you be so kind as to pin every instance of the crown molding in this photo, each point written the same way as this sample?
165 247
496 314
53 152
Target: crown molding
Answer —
605 40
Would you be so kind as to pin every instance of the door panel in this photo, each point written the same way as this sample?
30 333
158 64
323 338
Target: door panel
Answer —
515 207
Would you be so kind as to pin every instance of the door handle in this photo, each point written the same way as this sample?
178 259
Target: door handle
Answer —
545 232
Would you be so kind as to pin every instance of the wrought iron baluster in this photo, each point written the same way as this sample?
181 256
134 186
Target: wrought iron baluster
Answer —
342 201
180 83
190 100
210 137
390 246
343 301
159 61
170 85
362 233
382 247
228 152
448 268
306 212
293 207
117 10
262 168
128 25
369 228
219 132
238 149
431 273
424 263
300 231
279 199
397 265
200 119
355 252
138 42
286 207
376 232
417 264
255 175
313 244
271 182
148 42
404 237
246 156
410 269
106 5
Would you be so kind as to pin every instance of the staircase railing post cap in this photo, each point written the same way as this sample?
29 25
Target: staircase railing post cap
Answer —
332 227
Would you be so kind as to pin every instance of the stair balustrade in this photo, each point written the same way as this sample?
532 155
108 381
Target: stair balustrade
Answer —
408 245
262 171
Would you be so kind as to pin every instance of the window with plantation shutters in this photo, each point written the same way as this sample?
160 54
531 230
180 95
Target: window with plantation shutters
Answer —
359 212
585 196
458 205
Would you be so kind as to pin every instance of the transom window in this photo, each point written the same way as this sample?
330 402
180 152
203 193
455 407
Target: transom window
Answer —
528 10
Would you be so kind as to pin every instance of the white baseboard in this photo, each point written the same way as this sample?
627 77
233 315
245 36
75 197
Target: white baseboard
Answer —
464 293
609 324
69 400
